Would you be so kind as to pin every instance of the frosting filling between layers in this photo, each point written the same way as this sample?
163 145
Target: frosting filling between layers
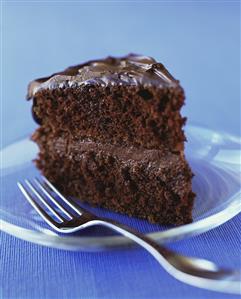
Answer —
125 153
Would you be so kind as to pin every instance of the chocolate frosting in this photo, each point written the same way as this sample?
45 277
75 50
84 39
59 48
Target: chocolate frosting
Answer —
128 70
75 148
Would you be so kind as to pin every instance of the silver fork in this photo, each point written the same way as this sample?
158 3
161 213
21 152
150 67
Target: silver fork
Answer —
193 271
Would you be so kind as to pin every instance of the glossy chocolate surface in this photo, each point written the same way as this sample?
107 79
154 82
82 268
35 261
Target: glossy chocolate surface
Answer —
128 70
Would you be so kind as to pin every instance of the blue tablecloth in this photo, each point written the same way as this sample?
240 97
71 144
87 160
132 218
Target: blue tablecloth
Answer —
200 43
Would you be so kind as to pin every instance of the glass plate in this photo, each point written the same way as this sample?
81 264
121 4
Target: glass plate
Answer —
214 158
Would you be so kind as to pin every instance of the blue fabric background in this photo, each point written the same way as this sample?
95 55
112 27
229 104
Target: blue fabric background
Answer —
199 42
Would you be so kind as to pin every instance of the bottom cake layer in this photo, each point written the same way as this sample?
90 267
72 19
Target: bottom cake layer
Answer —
149 184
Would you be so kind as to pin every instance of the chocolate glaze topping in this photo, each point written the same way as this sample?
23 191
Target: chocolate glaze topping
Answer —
128 70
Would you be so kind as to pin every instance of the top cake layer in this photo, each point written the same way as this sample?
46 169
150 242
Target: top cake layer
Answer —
128 101
130 70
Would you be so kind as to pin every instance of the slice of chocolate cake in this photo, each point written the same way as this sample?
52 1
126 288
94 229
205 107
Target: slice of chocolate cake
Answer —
111 134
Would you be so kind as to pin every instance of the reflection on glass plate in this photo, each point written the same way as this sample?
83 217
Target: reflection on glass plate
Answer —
215 161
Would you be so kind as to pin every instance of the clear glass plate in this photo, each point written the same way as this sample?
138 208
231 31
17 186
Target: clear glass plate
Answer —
214 158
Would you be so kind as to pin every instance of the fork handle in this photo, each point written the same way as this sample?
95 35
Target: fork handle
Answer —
129 232
181 267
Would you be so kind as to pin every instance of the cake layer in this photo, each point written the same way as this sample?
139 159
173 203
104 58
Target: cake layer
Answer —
127 101
150 184
115 115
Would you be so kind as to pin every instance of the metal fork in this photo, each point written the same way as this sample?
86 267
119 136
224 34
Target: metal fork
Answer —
193 271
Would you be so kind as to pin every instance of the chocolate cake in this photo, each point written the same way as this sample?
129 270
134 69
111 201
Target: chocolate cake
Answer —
110 133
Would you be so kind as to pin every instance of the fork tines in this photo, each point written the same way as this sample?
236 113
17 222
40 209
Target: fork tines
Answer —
51 205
